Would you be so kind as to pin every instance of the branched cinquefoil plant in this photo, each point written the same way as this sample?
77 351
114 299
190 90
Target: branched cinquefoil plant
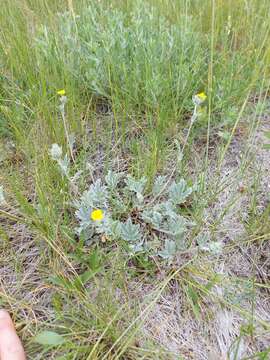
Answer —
119 210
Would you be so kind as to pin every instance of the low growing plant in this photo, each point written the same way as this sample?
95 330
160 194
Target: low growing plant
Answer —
126 213
118 208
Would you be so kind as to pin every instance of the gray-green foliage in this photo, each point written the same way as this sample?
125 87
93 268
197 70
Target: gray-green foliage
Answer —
141 59
112 179
56 154
205 244
159 185
164 218
169 250
136 186
178 192
131 232
96 196
109 227
140 49
141 219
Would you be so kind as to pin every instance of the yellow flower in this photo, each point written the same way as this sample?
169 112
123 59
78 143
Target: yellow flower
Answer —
97 215
199 99
202 96
61 92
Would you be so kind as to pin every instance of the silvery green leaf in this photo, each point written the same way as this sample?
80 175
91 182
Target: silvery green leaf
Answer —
103 227
118 205
157 219
85 223
130 232
112 179
83 214
109 227
167 208
169 250
204 243
134 185
215 247
115 229
170 210
202 240
71 140
86 234
135 248
99 192
86 200
177 226
96 196
179 151
159 185
178 192
56 152
152 217
140 198
64 165
2 196
152 244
